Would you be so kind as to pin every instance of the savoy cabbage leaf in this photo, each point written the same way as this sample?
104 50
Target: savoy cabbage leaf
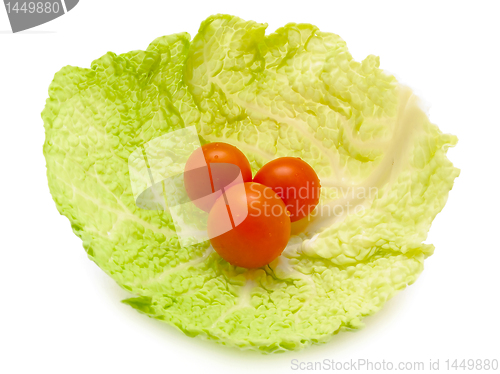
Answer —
296 92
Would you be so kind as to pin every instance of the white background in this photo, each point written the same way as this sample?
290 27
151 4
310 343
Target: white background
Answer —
59 313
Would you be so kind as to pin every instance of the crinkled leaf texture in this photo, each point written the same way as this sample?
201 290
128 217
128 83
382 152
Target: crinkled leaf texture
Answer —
296 92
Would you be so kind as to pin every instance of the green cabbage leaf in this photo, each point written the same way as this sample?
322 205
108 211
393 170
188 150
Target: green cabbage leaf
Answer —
296 92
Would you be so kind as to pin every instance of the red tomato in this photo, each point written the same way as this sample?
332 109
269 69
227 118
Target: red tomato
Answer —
255 225
203 182
295 181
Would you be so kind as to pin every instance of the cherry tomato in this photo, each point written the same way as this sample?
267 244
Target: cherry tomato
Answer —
295 181
203 181
252 229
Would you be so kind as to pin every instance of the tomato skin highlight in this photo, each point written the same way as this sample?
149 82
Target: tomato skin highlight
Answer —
261 236
199 182
295 181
